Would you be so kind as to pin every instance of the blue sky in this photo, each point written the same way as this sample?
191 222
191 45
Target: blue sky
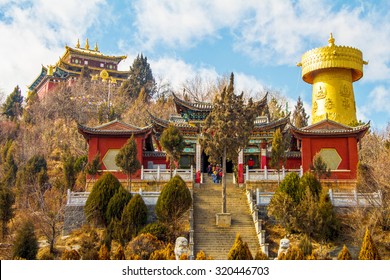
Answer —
260 41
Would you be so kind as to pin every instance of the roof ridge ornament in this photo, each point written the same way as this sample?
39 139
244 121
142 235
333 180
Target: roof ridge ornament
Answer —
78 43
331 40
96 47
86 44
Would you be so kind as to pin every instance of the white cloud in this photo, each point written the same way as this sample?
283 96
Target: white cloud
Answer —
379 99
272 32
35 32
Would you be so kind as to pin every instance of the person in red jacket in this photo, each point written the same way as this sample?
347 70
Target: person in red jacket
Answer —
251 163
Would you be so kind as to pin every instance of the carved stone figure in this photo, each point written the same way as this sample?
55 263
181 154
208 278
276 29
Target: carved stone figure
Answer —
284 245
181 247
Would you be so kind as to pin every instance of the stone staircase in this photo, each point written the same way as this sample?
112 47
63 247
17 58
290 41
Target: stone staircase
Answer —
215 241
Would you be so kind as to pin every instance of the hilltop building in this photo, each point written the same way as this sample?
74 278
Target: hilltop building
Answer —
79 62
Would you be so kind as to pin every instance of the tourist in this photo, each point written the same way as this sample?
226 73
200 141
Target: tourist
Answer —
251 163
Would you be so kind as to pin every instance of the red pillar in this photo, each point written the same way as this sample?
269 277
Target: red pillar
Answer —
263 155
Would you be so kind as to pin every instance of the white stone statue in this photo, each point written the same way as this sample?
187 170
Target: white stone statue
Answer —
181 247
283 246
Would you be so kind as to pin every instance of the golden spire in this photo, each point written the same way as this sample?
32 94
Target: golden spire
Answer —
86 44
96 47
50 70
331 40
78 43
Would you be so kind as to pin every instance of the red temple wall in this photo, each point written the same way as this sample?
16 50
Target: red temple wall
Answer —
103 144
346 147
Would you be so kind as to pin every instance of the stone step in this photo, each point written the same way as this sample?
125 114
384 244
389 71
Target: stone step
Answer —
214 241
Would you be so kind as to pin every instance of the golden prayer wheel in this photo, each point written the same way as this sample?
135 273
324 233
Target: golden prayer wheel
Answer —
332 70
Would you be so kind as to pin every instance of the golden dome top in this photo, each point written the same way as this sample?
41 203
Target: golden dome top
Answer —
332 56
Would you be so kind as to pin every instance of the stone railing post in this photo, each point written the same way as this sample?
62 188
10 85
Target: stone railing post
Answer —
158 172
283 172
247 173
174 172
300 171
68 196
331 196
355 195
192 173
257 196
142 172
262 237
265 172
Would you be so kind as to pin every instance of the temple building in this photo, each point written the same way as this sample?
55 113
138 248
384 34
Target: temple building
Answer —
109 138
76 62
333 133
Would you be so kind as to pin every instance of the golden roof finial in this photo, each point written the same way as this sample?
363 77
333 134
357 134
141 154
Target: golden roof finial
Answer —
78 43
86 44
331 40
96 47
50 70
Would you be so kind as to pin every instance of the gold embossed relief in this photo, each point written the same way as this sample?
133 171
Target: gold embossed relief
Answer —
315 107
321 92
328 104
345 91
345 103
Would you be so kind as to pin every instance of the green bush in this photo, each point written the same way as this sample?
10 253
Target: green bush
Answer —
134 217
291 186
310 182
116 204
239 250
97 202
328 224
305 246
174 200
159 230
26 243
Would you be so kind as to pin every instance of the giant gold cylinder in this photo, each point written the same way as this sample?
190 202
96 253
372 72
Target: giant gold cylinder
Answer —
332 70
333 96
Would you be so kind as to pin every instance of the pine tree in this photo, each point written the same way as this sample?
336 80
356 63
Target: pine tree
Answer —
311 183
278 152
117 203
7 200
319 167
305 246
173 144
127 159
299 117
368 251
134 217
141 76
26 243
12 108
275 110
227 128
97 202
344 254
174 200
239 250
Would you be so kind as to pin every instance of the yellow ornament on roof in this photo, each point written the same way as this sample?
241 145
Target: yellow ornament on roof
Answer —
86 44
78 43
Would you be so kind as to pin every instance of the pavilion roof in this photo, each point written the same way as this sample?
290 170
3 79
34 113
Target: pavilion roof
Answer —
174 120
329 128
113 128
